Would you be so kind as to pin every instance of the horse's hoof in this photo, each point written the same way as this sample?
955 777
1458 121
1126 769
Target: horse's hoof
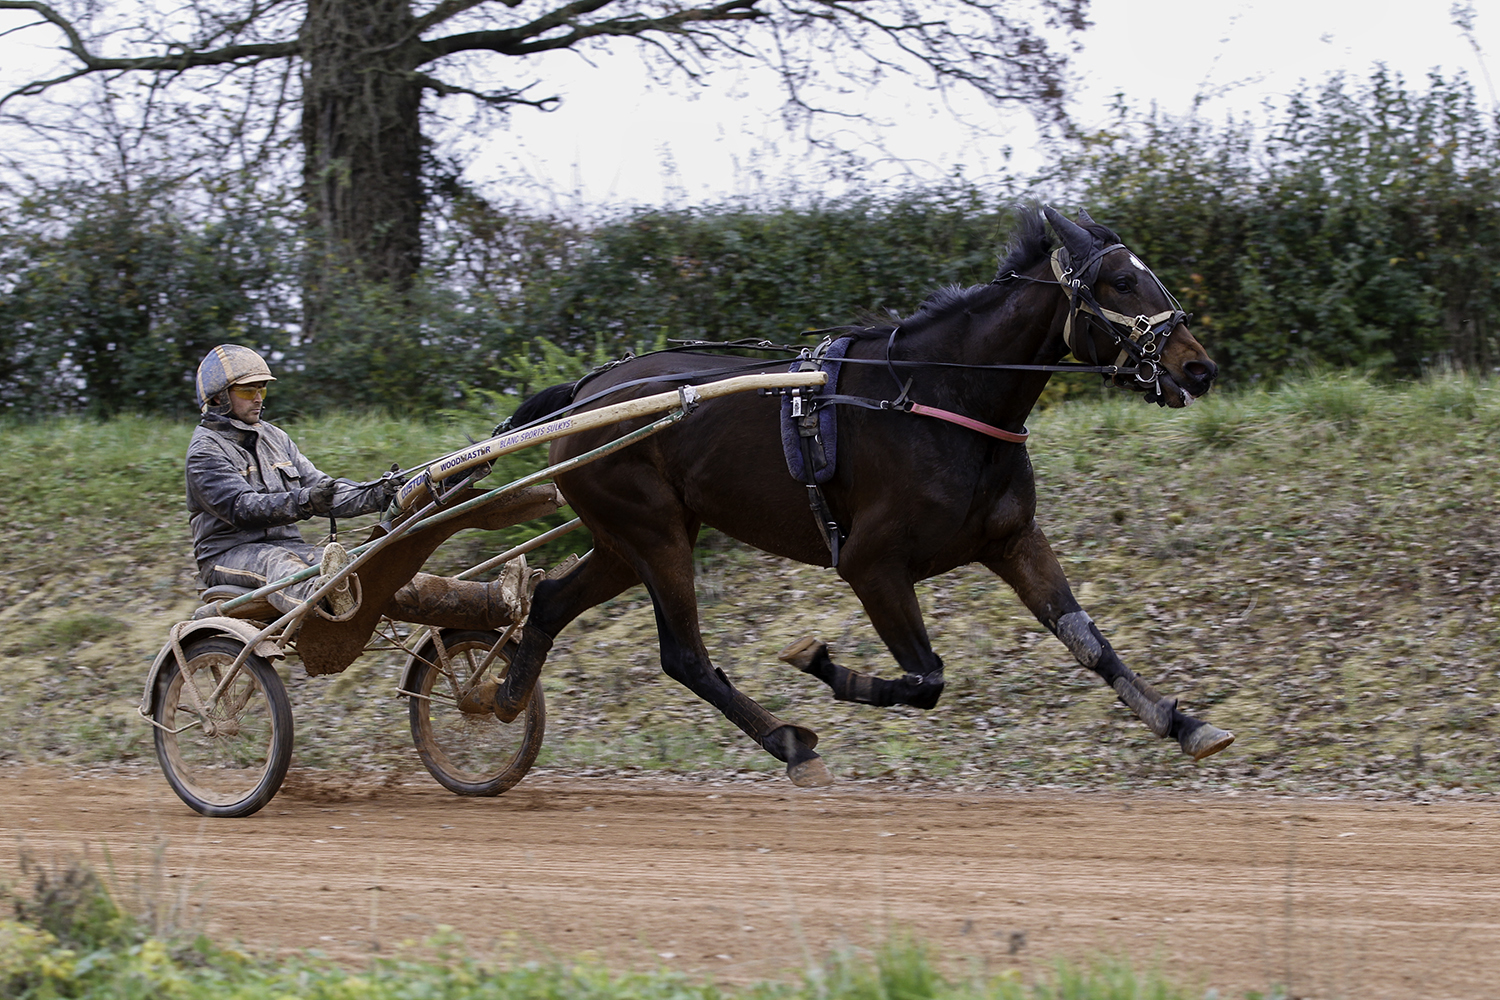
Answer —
811 773
921 692
509 709
803 652
1205 741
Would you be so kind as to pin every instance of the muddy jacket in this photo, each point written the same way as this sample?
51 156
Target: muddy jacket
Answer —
249 483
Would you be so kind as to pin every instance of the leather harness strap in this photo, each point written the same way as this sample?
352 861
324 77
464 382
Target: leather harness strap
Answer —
922 410
969 422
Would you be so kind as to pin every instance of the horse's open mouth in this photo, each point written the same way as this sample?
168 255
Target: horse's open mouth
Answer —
1166 391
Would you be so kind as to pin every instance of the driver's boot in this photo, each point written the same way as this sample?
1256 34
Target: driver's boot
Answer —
340 601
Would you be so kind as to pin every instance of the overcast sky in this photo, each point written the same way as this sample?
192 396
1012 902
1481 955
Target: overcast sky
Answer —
619 140
610 142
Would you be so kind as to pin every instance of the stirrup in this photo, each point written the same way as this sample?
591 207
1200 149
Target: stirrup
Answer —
343 600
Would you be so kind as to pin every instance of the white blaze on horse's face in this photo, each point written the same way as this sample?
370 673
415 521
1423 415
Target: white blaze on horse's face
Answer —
1137 262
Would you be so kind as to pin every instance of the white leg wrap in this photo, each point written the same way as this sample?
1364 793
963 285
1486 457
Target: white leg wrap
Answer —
1073 629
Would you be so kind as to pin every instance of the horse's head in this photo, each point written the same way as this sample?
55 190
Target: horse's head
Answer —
1120 313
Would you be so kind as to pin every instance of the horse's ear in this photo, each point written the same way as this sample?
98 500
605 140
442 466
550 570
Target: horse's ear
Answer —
1083 218
1078 241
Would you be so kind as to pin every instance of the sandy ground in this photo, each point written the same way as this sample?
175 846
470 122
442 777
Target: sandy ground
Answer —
742 881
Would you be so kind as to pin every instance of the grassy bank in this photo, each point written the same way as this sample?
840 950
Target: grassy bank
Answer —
71 938
1315 568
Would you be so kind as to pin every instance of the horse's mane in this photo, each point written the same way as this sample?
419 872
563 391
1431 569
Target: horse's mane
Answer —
1029 243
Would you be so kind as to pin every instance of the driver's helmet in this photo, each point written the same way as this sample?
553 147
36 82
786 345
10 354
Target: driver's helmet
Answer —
224 366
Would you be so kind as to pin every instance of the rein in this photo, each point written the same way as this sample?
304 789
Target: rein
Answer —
806 354
1139 339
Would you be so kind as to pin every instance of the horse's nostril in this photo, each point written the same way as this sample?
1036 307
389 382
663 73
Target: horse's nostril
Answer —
1203 371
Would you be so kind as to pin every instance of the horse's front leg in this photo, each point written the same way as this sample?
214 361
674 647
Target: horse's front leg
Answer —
888 596
1027 563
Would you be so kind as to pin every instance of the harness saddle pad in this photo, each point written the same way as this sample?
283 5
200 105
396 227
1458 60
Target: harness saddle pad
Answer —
818 423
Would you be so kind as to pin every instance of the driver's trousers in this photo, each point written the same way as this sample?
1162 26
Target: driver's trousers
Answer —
256 564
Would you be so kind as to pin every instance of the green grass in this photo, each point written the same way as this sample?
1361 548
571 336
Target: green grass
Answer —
72 629
1314 567
71 938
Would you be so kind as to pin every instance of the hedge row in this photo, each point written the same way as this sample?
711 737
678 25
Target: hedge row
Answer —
1358 226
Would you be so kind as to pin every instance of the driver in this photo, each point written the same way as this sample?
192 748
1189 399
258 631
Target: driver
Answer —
248 486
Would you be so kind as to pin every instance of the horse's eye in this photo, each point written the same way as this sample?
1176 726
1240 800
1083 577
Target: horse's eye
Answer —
1124 284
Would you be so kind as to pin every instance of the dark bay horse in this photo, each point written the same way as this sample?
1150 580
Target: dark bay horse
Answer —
912 496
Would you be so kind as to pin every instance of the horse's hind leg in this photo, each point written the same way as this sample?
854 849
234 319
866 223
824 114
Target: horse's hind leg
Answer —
685 659
1027 563
556 603
656 550
668 575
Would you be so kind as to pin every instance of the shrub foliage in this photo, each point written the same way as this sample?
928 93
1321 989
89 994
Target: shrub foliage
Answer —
1360 228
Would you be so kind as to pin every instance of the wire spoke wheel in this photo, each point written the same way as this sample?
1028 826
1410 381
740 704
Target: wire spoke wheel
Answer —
228 760
463 745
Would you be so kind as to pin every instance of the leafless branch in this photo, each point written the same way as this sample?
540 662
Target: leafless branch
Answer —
493 98
449 9
171 62
528 39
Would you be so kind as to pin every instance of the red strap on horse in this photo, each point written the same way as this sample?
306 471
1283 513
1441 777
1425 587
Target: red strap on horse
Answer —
970 423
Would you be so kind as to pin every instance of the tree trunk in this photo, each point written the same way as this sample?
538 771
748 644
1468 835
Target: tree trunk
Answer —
362 142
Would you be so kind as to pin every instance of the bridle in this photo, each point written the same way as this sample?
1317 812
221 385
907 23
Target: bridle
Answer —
1140 339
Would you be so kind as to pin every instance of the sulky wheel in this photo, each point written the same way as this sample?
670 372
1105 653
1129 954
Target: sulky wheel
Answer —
229 760
467 749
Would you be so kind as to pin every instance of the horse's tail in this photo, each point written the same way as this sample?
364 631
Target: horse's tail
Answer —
541 405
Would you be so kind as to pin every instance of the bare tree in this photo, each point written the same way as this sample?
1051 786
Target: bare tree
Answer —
361 70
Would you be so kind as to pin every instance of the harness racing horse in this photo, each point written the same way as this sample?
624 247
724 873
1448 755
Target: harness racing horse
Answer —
911 496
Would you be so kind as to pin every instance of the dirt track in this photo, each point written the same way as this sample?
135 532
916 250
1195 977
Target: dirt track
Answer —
745 881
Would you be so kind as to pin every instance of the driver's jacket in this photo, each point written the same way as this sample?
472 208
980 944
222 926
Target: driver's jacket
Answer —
249 483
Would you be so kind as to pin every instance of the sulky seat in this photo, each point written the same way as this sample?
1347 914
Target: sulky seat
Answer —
213 597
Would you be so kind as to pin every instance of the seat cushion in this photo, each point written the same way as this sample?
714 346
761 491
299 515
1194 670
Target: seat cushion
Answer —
258 610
